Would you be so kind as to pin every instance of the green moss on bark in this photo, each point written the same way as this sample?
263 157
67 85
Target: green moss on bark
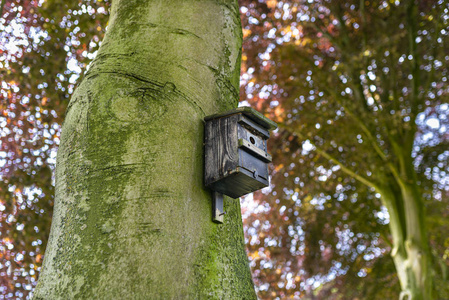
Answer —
132 219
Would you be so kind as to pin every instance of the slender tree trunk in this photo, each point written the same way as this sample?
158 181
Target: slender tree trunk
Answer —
132 219
418 259
410 244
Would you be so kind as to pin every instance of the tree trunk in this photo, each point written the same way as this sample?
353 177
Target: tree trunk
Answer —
410 246
417 264
132 219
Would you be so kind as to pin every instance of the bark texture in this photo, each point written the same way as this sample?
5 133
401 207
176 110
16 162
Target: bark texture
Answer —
132 219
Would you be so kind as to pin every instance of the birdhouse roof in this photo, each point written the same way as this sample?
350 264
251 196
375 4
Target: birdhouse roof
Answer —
250 113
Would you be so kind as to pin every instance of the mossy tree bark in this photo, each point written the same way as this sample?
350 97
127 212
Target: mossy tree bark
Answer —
132 219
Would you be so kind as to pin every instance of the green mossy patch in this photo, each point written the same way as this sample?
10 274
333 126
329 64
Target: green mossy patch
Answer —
132 219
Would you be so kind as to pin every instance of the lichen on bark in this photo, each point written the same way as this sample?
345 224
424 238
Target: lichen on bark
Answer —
132 219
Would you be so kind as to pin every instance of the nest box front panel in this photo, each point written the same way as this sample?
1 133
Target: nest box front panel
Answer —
253 156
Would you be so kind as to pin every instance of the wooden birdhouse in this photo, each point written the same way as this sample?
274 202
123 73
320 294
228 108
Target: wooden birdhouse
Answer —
236 157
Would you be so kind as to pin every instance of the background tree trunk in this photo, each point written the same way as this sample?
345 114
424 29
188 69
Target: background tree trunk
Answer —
132 219
410 245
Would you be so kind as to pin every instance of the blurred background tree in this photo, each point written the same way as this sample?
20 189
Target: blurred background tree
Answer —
352 84
360 91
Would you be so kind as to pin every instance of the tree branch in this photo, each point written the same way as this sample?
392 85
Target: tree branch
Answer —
345 169
375 145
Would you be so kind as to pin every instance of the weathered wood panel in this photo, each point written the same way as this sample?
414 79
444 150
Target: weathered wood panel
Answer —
221 148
